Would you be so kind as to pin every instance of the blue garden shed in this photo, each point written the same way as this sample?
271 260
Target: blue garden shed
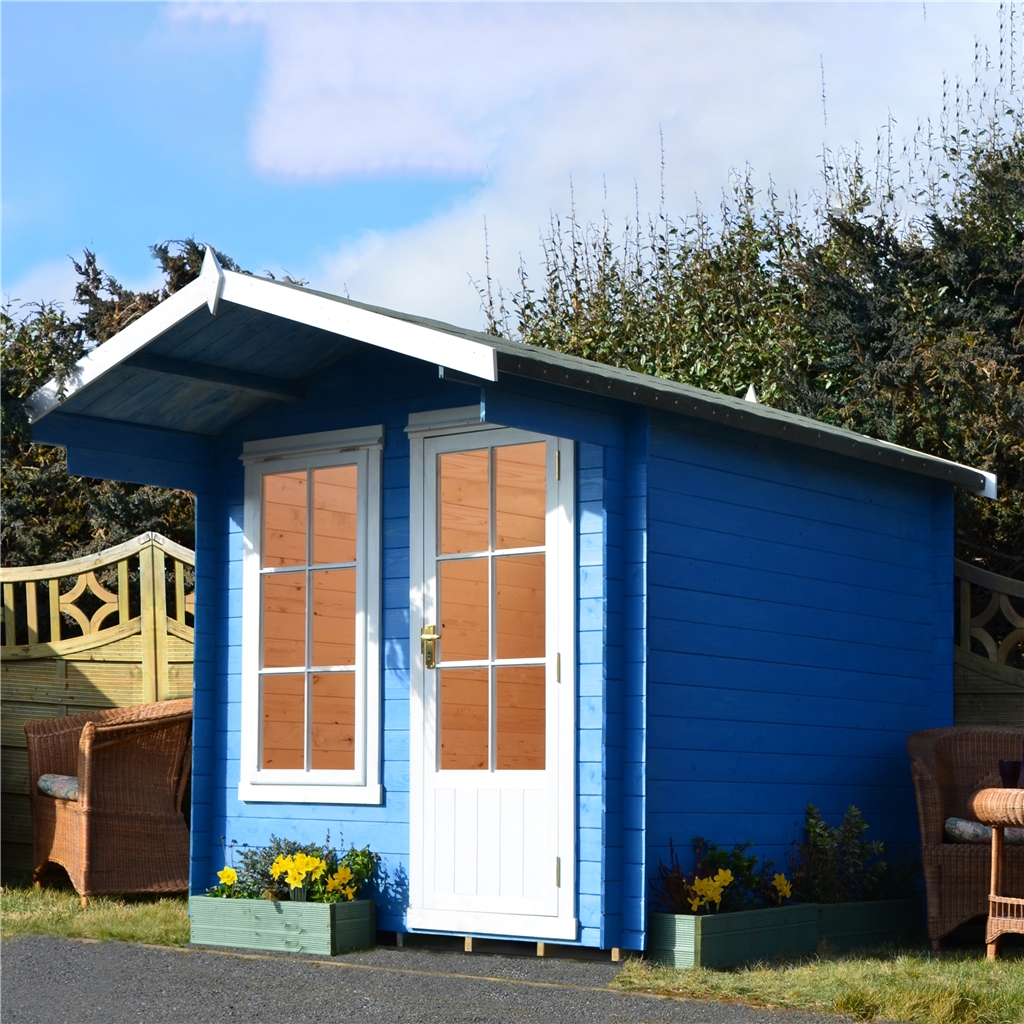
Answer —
512 618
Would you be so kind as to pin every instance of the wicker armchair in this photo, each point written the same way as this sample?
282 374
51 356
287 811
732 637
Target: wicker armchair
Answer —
125 833
948 765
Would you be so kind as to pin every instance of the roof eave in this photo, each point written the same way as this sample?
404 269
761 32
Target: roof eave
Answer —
657 393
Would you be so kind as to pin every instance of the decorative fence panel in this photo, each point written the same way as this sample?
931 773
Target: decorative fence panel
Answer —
106 630
988 660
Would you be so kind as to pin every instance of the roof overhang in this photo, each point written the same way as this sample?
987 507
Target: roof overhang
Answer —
187 322
228 343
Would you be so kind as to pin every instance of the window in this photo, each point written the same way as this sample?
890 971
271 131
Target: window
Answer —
491 585
310 690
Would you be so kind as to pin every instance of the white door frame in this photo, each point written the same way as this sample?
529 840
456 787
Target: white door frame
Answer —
561 742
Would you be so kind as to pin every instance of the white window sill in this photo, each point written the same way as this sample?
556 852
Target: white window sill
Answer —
305 793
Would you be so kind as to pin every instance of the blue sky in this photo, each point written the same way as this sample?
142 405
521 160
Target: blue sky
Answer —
363 146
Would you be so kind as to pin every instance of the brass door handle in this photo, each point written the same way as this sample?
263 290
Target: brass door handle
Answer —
428 638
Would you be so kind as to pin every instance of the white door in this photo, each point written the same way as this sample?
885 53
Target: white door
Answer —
492 746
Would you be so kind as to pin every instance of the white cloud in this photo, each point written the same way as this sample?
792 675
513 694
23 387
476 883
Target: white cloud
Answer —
524 96
53 281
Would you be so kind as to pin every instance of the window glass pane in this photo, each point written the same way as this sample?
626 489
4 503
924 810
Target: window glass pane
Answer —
284 718
465 502
284 620
519 495
284 519
334 617
520 711
464 718
464 610
334 514
334 721
520 606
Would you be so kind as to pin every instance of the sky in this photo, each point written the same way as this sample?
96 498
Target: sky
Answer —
366 148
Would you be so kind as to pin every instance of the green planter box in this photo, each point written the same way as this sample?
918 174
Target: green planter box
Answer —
726 940
856 925
293 927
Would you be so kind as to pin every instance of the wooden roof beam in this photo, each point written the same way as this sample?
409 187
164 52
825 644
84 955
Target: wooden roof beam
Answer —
221 376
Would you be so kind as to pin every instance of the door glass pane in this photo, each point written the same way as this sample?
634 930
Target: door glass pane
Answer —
284 718
334 721
464 718
519 495
520 711
465 502
464 610
334 514
520 606
284 519
284 620
334 617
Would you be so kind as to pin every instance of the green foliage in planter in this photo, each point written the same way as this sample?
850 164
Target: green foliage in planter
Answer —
832 865
256 880
837 865
751 886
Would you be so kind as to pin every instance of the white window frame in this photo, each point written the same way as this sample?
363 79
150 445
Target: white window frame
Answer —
361 447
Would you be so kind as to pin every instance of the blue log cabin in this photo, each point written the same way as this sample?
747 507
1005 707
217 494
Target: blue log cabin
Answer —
512 618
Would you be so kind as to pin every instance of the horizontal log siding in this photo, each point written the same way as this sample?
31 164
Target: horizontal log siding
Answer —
799 627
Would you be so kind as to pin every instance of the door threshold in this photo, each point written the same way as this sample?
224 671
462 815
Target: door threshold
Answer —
443 942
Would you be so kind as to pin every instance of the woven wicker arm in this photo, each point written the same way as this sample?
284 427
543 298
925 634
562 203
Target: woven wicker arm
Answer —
53 746
930 814
133 767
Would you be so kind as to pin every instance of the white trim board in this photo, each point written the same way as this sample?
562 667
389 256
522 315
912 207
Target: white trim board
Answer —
321 443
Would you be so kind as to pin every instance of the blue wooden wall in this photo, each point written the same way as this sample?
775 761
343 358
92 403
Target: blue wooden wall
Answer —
799 626
760 626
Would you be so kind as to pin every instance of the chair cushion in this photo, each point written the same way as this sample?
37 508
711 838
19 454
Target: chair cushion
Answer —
960 830
63 787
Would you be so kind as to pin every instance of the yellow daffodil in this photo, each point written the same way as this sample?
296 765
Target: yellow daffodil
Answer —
228 876
782 886
339 880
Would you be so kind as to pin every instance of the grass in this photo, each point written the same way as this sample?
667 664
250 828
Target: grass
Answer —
58 912
915 986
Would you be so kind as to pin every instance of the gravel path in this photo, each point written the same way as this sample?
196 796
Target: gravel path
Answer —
56 981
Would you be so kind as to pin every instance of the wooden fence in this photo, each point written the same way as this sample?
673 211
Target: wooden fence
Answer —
106 630
988 660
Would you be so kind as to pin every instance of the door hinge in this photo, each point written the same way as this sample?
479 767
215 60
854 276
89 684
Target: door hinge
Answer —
558 464
558 872
558 668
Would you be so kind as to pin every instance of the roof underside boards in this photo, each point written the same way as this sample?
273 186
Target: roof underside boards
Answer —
250 343
183 368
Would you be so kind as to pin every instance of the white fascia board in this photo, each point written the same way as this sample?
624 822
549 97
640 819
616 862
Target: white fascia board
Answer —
151 325
363 325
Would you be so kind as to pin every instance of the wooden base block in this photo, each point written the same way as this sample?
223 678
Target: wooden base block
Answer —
541 949
616 954
399 939
469 944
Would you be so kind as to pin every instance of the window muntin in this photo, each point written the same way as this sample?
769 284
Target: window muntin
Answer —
308 580
491 580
